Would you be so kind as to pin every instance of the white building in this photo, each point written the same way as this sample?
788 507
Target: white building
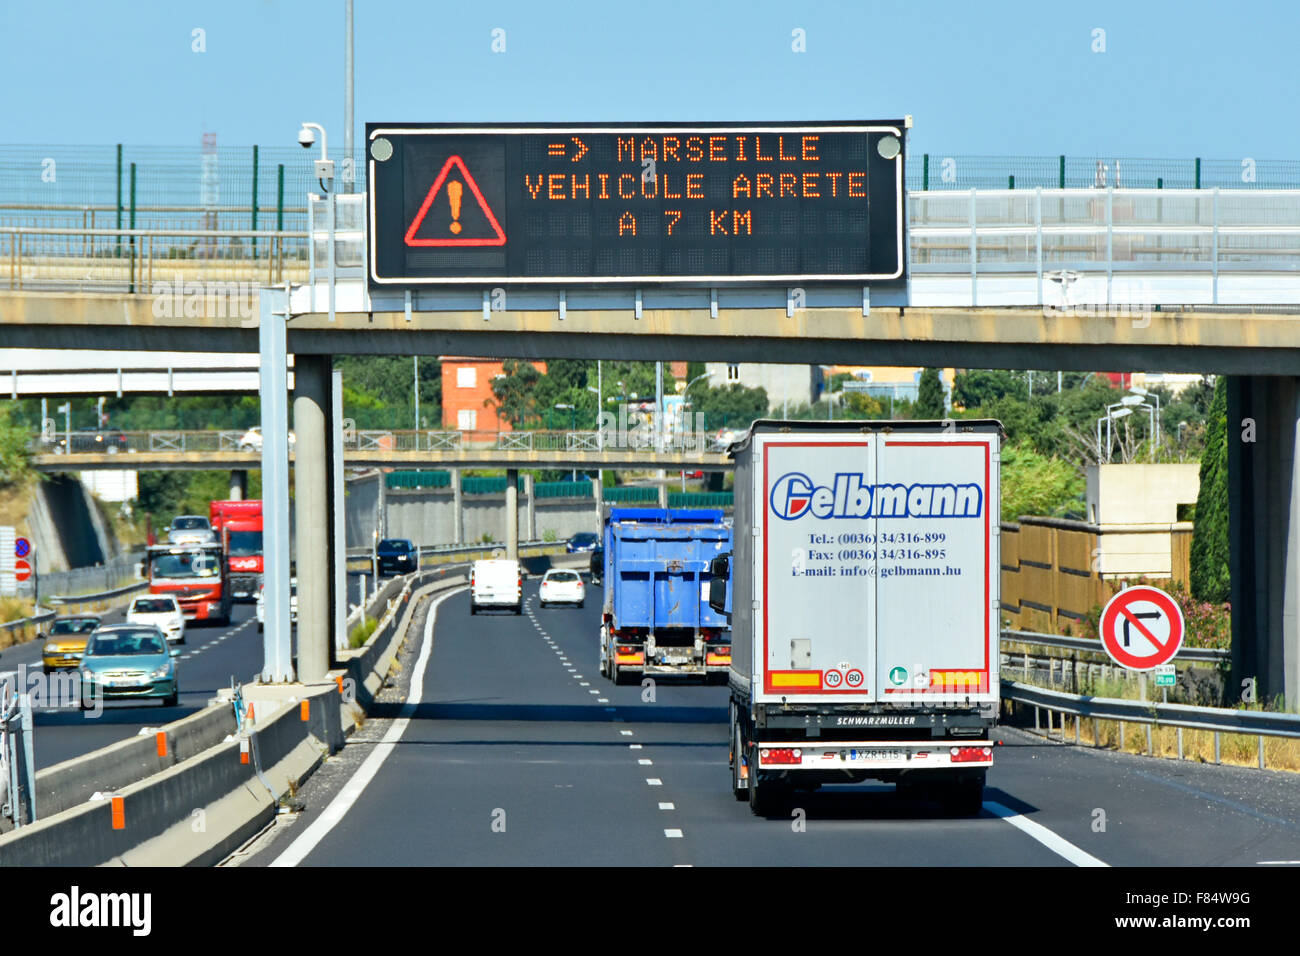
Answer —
795 384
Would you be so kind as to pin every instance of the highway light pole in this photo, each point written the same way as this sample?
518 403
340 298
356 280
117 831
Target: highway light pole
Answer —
349 172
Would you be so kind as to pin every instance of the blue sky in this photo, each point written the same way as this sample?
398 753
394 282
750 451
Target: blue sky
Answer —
1175 80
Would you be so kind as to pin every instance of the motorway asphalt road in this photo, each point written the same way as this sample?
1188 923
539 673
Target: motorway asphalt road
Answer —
519 752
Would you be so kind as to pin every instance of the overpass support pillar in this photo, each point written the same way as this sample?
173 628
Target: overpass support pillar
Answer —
512 513
663 490
313 384
238 484
530 510
458 509
1264 535
598 495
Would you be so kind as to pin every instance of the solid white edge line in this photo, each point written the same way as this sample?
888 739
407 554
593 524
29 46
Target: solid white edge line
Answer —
1057 844
298 850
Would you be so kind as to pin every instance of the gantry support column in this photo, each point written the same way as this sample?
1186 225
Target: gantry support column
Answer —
277 664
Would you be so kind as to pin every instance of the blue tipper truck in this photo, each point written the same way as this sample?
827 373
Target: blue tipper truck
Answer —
656 617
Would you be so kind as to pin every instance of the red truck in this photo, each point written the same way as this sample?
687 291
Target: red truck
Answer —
238 525
194 574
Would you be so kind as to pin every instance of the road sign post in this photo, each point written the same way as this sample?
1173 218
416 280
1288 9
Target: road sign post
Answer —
1142 628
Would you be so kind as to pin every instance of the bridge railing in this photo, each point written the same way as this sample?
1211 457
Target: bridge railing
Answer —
216 441
1079 243
191 271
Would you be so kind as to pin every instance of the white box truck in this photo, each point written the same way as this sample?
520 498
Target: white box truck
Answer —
863 595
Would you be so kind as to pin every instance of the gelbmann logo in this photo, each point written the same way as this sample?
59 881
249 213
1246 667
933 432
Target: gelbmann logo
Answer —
850 496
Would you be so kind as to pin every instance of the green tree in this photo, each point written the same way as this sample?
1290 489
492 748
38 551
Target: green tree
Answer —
732 406
515 393
14 456
1034 484
1209 557
929 395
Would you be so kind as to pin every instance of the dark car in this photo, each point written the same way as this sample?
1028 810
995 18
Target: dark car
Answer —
396 556
597 565
110 440
582 541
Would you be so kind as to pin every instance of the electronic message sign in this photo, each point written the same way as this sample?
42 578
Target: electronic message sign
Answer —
635 204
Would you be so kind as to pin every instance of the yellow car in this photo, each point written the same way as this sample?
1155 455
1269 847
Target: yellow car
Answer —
65 641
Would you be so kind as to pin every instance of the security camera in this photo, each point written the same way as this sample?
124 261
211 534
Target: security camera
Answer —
306 138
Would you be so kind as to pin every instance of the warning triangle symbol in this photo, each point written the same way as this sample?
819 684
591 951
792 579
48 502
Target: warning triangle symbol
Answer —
453 208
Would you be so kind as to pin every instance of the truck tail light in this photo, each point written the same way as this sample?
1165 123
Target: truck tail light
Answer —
787 755
626 649
967 754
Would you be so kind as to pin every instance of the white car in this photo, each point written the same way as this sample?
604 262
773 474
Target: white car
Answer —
252 440
496 582
162 611
293 603
562 587
191 529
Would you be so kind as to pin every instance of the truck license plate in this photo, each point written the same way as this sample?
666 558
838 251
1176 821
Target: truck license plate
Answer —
878 754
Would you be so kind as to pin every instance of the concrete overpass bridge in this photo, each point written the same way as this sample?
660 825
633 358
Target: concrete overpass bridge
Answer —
1204 280
210 450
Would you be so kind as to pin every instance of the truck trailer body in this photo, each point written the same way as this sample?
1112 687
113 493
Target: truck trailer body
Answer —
239 527
864 607
656 617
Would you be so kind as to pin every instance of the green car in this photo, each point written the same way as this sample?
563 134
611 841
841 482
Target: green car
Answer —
128 660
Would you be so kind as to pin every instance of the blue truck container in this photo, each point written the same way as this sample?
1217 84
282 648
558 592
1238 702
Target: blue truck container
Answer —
657 618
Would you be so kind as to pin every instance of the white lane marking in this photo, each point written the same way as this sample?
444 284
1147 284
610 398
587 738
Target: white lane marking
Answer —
593 691
602 700
1278 863
1057 844
626 733
299 849
654 781
633 746
667 806
645 762
673 834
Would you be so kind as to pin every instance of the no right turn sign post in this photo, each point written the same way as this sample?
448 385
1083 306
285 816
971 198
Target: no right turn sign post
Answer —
1142 628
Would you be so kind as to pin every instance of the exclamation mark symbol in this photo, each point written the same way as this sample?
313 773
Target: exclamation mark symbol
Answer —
454 189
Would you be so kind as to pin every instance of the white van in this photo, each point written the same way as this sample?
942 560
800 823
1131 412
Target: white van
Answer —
498 582
162 611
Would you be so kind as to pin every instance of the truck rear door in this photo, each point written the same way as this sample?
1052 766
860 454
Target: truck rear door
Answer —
936 561
815 579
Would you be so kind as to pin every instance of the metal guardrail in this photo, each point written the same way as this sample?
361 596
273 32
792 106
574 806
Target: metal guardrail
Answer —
1199 655
1218 720
65 600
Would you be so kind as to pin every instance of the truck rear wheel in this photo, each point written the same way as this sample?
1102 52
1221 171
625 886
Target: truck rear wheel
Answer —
766 797
738 790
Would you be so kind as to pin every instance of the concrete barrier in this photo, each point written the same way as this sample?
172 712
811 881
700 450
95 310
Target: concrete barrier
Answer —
118 765
195 812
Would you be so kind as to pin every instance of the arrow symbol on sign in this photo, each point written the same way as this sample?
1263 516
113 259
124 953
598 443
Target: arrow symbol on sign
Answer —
582 148
1136 621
